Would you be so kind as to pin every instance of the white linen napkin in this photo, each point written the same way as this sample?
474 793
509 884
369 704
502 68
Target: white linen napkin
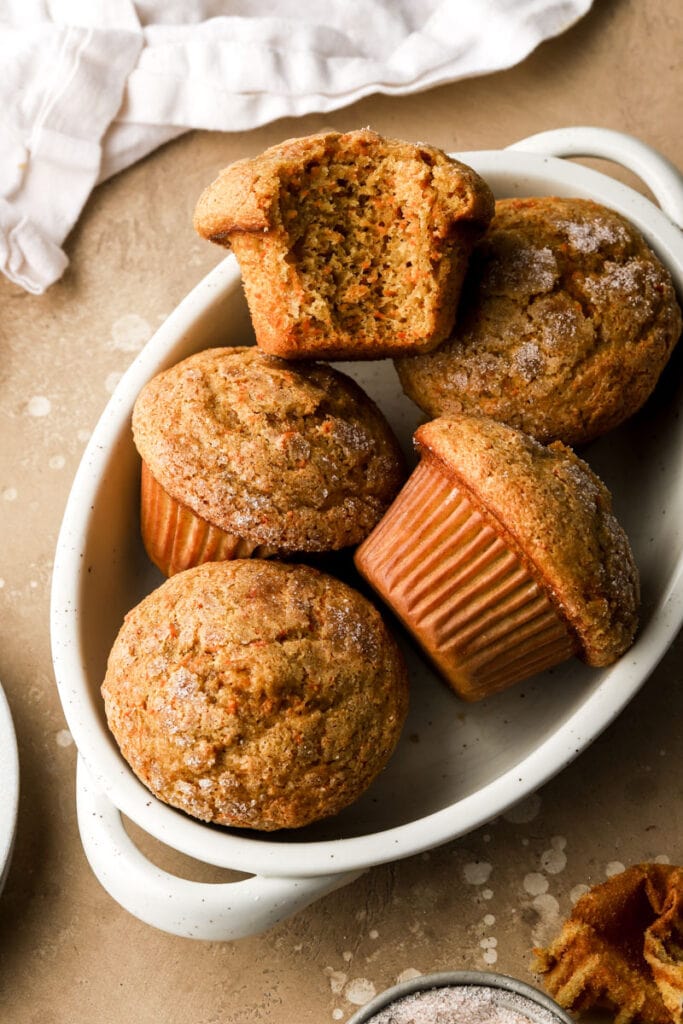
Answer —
90 86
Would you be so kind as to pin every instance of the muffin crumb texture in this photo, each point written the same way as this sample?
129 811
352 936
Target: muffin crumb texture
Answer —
255 694
350 245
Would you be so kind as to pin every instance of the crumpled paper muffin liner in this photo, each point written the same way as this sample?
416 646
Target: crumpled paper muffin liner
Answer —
622 948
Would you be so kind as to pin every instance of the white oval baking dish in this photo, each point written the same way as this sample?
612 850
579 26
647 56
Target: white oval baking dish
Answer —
457 765
9 773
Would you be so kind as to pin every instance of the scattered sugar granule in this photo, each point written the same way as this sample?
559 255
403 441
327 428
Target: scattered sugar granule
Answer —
535 883
408 974
590 235
528 361
39 405
360 991
554 860
477 872
578 891
130 332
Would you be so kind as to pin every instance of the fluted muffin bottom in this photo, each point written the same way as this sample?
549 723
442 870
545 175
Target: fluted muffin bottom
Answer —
468 599
176 538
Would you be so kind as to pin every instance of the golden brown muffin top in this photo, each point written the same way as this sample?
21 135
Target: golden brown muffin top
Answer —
556 514
246 195
255 694
296 458
566 322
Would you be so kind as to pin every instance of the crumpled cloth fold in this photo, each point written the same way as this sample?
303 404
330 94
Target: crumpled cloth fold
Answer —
90 86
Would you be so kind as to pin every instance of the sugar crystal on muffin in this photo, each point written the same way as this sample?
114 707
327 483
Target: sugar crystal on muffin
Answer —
256 694
244 454
566 322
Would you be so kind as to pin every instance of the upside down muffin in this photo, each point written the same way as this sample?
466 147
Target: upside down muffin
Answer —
503 557
351 246
246 455
566 322
255 694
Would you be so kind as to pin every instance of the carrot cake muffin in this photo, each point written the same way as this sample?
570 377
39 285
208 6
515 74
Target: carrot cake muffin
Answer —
566 322
255 694
503 557
352 246
244 454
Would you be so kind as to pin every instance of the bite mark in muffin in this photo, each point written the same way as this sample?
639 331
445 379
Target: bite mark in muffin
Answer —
351 246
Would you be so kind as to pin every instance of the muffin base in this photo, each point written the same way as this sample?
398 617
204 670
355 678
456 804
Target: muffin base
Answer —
467 598
176 538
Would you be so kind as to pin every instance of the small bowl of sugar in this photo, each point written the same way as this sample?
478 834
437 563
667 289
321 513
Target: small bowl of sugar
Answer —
461 997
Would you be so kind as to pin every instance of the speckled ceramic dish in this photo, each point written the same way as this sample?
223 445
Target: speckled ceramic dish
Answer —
9 786
458 765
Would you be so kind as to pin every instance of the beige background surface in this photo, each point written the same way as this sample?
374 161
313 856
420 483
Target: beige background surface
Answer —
68 953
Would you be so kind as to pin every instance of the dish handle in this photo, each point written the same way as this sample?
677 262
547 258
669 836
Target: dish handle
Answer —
199 910
658 173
